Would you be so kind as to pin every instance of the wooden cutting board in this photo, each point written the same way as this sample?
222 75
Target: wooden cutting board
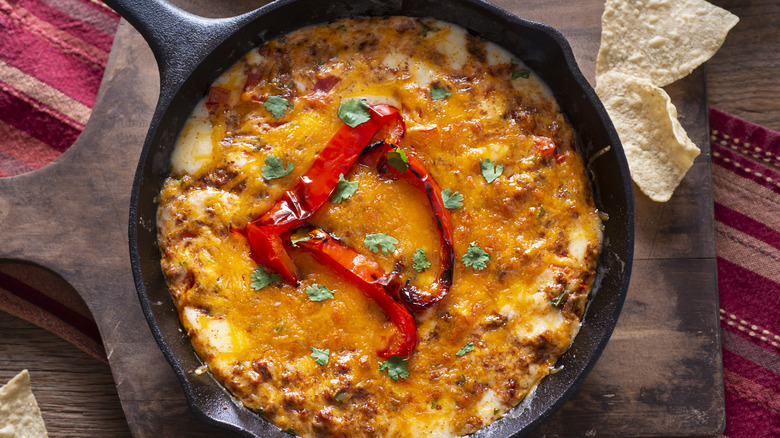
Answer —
661 373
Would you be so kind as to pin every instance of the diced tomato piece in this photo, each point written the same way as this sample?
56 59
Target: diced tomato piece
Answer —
545 146
218 96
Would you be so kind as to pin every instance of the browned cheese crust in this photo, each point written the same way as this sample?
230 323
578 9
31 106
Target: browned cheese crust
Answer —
537 221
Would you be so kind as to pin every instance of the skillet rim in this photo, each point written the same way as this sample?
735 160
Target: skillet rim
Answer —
202 403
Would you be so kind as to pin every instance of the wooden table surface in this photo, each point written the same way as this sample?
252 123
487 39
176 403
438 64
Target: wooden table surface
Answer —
76 393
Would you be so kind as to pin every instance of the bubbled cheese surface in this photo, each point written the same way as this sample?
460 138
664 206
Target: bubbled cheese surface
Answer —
537 221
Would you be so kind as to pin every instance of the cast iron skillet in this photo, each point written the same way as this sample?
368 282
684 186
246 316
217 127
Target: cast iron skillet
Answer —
192 51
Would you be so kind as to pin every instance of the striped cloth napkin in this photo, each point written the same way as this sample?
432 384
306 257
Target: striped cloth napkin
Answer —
746 183
52 57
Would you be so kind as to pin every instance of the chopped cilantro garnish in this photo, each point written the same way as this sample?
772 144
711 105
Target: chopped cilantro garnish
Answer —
344 189
396 367
451 201
276 105
559 299
490 170
426 29
420 262
466 349
260 278
540 212
299 236
439 93
274 168
258 410
398 159
475 257
354 112
341 397
319 292
320 356
521 73
375 242
435 404
342 28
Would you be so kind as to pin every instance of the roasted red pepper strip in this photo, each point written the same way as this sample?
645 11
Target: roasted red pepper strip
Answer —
372 280
409 294
315 187
317 184
268 250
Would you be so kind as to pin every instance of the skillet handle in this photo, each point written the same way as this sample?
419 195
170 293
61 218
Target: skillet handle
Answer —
179 40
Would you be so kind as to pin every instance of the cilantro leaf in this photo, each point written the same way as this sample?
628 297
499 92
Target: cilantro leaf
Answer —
354 112
426 29
375 242
396 367
490 170
299 236
439 93
421 262
521 73
398 159
469 347
344 189
342 28
475 257
559 299
455 200
320 356
319 292
276 105
274 168
261 278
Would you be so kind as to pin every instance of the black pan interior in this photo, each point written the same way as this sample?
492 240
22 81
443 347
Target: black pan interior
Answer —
542 48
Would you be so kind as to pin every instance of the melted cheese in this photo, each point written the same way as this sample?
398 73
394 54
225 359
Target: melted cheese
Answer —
537 222
194 150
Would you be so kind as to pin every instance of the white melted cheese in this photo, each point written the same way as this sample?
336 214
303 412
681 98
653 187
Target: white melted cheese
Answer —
216 333
438 428
254 57
544 318
580 236
194 148
486 407
453 46
223 203
497 55
395 60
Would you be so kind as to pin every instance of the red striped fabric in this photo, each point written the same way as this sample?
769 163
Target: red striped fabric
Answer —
745 162
52 57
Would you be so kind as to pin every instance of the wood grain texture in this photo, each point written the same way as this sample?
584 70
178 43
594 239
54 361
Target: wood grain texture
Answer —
76 393
631 391
743 77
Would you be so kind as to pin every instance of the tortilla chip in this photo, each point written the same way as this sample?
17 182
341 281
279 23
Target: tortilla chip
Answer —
19 413
660 40
658 150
